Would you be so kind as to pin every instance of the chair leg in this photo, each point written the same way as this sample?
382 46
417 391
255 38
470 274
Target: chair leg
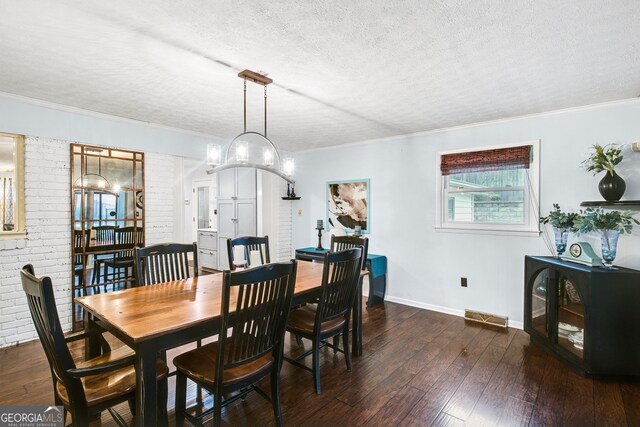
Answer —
132 406
217 410
275 395
336 343
345 345
316 364
181 398
298 339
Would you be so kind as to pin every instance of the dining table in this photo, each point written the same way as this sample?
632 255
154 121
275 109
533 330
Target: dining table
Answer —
151 319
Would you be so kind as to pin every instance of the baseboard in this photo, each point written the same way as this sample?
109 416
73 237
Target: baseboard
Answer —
441 309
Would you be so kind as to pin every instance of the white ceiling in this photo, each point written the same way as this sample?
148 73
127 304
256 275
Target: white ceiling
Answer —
342 71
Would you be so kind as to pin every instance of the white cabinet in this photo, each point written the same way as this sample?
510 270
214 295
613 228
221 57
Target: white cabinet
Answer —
208 249
237 211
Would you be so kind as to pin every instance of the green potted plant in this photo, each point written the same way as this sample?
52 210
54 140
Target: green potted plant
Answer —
610 225
562 223
606 158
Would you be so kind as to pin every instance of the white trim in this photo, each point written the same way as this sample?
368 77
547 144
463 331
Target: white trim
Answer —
532 210
523 233
445 310
477 124
91 113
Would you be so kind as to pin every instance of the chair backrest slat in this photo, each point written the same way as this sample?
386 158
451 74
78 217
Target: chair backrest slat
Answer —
341 243
165 263
255 309
81 241
128 237
105 234
250 243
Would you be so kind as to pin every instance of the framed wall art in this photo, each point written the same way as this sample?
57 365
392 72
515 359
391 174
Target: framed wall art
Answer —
348 205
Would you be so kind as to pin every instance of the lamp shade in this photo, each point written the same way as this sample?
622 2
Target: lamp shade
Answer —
288 166
213 154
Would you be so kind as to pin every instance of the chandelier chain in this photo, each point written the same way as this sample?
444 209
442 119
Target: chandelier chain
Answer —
265 111
245 105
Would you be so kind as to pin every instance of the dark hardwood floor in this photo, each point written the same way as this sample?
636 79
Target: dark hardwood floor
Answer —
419 368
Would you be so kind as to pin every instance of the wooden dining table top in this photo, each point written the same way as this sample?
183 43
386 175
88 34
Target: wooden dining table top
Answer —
145 312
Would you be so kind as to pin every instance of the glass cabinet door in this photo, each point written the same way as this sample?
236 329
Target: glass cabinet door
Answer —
539 298
570 317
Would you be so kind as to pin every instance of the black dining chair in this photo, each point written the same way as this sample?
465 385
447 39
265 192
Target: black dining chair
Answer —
81 240
254 311
250 244
165 262
84 388
104 237
340 243
121 262
330 316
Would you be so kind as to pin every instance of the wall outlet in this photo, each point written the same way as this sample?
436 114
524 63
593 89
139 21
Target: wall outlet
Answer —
299 212
463 282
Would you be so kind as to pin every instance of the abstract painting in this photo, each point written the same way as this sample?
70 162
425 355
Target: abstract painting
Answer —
348 204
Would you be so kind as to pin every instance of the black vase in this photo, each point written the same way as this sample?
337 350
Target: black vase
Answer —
612 187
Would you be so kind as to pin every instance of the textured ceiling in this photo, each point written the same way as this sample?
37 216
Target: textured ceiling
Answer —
342 71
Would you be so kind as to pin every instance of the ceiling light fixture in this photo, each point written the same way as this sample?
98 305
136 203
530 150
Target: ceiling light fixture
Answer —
251 149
93 180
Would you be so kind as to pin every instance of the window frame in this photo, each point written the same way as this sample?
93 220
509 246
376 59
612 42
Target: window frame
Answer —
531 226
19 213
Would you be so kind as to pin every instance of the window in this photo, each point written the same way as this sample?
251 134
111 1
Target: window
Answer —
11 184
491 189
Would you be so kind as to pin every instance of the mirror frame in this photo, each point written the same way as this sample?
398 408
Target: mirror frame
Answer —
80 184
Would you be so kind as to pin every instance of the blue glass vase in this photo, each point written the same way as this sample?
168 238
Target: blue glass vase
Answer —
561 235
609 240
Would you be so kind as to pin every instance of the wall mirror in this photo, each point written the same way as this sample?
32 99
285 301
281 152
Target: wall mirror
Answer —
107 205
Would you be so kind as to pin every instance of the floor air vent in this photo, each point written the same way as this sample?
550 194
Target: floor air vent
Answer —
489 319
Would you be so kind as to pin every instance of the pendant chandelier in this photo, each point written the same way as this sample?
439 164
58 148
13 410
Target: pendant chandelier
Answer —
251 149
95 180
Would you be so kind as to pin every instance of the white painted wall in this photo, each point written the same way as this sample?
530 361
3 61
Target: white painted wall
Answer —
425 265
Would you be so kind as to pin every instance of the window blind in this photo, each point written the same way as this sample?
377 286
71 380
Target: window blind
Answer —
486 160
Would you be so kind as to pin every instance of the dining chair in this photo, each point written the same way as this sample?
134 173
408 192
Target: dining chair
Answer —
121 262
81 240
330 316
254 310
164 262
340 243
104 237
83 388
251 244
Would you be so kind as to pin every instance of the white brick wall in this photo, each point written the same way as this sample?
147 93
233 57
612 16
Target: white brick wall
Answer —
48 243
162 185
284 252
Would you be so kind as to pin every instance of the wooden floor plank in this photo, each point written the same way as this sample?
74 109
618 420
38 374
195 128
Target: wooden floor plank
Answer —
397 408
631 398
430 406
516 413
465 398
608 404
418 368
577 410
550 402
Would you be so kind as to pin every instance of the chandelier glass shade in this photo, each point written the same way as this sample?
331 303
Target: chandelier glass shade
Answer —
251 149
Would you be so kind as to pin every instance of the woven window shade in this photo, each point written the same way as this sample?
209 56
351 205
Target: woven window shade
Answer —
486 160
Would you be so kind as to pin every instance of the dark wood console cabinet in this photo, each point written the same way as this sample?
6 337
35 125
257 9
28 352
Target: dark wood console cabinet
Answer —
563 298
